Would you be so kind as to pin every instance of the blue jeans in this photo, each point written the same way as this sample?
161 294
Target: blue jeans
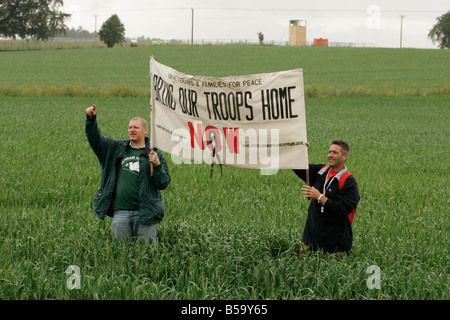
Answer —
125 225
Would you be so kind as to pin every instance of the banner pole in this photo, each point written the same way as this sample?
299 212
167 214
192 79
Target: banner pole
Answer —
151 166
306 139
152 105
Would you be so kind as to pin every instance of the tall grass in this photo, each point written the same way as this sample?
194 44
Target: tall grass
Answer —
123 90
236 236
230 237
17 45
75 90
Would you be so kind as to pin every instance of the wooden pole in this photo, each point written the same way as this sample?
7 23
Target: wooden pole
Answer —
151 165
151 118
401 30
192 27
307 177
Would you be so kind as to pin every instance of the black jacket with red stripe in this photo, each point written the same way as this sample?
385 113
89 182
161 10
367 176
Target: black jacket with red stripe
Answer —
330 229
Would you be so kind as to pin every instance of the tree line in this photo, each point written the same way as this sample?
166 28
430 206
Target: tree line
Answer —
36 19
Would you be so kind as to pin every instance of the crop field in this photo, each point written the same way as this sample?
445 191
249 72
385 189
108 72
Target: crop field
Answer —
233 237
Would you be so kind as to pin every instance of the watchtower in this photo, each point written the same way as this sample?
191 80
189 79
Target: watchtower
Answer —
297 32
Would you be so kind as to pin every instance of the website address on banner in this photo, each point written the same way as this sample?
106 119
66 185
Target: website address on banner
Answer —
172 133
274 145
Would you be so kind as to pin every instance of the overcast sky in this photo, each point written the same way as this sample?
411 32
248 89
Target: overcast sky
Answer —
375 23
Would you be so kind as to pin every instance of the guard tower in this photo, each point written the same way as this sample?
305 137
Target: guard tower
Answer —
297 32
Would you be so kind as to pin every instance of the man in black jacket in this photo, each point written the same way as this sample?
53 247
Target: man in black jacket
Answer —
334 196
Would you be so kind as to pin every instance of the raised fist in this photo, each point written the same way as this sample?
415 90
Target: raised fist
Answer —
91 111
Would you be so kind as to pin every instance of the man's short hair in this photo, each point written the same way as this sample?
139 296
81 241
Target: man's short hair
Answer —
343 144
143 121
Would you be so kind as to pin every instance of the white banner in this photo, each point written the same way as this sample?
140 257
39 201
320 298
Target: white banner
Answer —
253 121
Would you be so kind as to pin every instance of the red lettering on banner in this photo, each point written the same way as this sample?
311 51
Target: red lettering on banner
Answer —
216 143
231 136
197 136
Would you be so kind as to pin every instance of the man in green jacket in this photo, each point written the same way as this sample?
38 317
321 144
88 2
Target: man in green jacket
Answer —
129 188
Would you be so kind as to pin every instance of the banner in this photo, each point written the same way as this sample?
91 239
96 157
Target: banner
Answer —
252 121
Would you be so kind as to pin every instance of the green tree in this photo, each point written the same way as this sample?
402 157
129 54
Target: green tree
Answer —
38 19
112 31
441 31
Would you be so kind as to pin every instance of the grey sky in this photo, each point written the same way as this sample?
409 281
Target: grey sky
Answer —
374 23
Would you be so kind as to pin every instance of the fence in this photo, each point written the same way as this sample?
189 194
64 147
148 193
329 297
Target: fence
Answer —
70 43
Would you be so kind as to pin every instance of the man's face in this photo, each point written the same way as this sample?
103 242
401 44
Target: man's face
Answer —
136 131
336 158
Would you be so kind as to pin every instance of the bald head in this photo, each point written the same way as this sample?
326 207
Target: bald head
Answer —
137 129
142 120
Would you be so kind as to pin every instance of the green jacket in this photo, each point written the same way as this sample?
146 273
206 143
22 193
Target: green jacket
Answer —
109 153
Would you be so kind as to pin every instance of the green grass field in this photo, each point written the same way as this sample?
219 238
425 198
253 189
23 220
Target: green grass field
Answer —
236 236
327 71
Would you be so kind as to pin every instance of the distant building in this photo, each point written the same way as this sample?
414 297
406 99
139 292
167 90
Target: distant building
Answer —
297 32
321 42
